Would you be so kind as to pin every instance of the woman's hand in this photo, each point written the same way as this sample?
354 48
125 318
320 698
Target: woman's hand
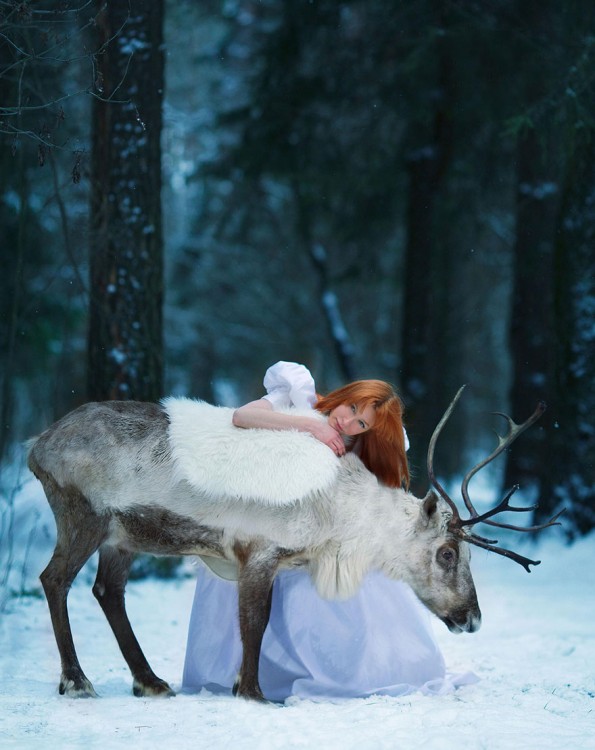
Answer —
329 436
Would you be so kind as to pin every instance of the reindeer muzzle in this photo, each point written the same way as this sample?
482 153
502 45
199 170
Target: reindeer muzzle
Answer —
470 624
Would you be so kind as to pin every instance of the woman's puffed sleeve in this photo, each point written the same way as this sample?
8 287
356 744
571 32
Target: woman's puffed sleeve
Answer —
290 384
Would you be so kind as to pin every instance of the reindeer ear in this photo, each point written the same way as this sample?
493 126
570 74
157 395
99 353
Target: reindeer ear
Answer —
428 508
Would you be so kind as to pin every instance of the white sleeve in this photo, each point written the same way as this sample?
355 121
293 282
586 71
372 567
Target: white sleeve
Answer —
406 439
289 384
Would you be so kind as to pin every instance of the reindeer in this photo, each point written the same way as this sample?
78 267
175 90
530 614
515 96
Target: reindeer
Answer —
107 471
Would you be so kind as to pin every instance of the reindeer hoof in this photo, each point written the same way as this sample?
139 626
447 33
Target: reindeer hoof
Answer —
253 693
79 687
155 689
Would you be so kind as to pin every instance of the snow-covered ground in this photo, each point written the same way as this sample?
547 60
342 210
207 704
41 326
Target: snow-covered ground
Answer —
535 655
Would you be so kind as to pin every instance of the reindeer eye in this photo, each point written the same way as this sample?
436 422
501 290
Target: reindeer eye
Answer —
447 556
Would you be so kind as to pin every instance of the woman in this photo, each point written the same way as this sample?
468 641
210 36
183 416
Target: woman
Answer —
377 642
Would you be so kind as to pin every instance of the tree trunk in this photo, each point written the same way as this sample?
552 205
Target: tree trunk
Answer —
426 279
532 314
126 264
568 467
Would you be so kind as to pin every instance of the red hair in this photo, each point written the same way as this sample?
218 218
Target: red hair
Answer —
381 448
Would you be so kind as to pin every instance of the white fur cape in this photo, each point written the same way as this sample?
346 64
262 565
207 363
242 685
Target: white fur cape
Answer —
274 467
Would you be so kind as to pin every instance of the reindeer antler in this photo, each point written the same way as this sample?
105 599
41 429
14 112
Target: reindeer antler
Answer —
457 523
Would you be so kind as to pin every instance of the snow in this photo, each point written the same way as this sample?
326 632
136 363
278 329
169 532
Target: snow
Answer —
535 656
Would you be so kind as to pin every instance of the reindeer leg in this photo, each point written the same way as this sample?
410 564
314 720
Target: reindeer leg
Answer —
255 583
112 574
79 533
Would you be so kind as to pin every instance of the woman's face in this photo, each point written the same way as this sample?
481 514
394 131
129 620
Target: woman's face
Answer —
351 419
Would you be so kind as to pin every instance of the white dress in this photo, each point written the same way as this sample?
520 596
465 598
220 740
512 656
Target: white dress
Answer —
380 641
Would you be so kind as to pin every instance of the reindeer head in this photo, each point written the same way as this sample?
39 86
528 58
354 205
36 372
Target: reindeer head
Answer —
446 584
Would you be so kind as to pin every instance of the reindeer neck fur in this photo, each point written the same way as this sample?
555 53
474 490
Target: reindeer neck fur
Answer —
400 536
365 509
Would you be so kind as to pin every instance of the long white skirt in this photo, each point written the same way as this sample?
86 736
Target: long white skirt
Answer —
379 641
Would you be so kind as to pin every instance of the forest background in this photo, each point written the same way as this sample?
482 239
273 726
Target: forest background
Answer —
400 189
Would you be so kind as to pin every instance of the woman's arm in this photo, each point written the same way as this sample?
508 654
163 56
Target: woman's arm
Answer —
260 414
